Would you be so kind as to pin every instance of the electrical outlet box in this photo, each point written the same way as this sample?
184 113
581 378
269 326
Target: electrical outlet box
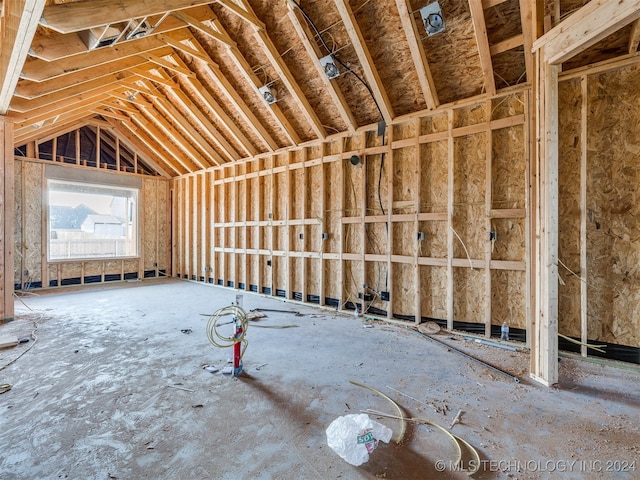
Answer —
325 236
301 236
493 236
384 296
432 18
420 236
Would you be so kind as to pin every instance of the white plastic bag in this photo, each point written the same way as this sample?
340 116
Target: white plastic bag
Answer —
355 437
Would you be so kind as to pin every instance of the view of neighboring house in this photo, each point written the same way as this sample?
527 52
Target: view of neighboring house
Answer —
80 232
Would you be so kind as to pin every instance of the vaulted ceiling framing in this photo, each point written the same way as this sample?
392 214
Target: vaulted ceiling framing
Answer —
180 80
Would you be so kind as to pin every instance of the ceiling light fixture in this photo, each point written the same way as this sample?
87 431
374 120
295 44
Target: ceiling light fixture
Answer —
329 66
267 94
432 18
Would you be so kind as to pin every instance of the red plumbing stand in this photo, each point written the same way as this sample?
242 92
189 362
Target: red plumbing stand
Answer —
237 357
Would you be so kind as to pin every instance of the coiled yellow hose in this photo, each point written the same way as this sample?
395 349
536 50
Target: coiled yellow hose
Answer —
223 341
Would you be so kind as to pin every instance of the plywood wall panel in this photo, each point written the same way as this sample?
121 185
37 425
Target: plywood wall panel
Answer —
32 210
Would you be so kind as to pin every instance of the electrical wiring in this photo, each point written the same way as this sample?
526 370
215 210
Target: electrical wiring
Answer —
400 416
333 55
223 341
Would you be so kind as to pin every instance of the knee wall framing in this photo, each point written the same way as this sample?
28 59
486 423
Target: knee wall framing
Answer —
431 224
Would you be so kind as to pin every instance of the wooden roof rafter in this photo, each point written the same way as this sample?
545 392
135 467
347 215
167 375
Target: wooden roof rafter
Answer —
366 62
50 47
144 144
590 24
193 136
32 132
91 76
162 130
75 17
20 23
417 54
38 70
480 30
286 77
252 79
140 125
246 113
634 37
44 135
229 125
144 155
314 52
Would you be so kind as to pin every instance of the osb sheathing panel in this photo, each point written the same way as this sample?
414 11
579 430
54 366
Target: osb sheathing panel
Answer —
433 177
353 189
510 239
377 171
353 273
469 196
509 68
381 25
17 226
613 210
313 238
433 286
150 212
92 268
569 210
229 69
404 238
352 242
507 106
376 238
295 269
73 270
314 267
453 54
32 211
265 201
508 298
404 293
508 168
328 21
297 194
259 62
435 239
280 274
498 21
314 192
468 295
164 239
113 267
253 270
333 214
469 115
287 42
404 179
253 213
241 201
333 283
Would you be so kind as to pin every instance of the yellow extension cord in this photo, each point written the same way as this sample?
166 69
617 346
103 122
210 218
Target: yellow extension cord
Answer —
223 341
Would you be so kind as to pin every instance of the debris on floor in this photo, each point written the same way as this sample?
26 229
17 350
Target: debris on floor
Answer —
8 341
355 436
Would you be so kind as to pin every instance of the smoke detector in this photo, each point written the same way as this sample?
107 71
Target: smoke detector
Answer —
267 94
432 18
329 66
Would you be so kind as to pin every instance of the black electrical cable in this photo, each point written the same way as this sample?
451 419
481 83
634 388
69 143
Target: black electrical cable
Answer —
333 55
348 69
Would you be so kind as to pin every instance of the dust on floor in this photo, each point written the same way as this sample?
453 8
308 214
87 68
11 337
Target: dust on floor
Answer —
114 388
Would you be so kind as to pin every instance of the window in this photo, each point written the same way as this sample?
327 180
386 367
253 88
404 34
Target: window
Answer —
92 221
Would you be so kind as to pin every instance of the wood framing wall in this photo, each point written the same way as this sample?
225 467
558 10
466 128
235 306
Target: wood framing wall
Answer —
599 172
31 266
433 220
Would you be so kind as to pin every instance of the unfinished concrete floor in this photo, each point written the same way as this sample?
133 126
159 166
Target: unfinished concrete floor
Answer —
96 396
